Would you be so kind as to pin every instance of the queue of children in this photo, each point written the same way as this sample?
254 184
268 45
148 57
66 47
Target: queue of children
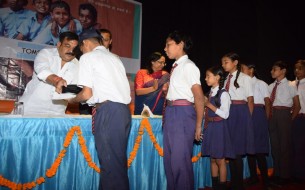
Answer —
244 119
258 114
241 113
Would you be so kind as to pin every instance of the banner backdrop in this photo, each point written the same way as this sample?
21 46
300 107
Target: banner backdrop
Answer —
23 34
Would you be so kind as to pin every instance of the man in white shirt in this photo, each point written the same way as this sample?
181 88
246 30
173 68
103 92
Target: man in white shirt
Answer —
53 69
105 85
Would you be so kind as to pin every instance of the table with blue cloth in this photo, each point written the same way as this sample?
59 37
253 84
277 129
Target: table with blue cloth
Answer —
31 146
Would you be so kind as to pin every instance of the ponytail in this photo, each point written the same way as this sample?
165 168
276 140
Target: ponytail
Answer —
237 75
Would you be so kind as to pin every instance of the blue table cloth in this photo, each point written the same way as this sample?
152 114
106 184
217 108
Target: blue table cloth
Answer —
29 146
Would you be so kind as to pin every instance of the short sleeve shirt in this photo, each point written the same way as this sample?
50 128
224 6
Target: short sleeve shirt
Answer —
260 91
245 87
105 74
183 77
285 93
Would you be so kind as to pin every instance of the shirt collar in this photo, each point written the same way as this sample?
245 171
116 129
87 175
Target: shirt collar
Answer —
214 89
100 47
300 81
181 59
234 73
282 81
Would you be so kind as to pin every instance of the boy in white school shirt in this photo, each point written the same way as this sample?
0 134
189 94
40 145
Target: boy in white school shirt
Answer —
283 99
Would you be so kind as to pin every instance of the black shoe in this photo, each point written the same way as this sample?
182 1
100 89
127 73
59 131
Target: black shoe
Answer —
296 180
270 186
280 182
274 178
284 181
251 181
275 182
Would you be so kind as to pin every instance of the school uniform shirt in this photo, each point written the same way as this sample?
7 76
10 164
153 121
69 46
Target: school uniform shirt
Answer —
37 97
11 20
260 90
30 28
224 109
105 74
46 37
301 93
184 76
285 93
245 86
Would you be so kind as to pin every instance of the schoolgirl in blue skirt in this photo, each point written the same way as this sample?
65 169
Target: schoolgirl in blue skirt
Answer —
216 140
260 117
240 122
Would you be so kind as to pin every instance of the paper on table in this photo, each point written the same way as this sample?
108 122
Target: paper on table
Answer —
63 96
146 112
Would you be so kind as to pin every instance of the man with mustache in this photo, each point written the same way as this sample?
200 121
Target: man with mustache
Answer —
53 69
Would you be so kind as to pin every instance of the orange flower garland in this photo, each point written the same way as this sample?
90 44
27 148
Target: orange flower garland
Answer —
152 137
82 142
54 167
197 157
52 171
146 125
84 150
134 151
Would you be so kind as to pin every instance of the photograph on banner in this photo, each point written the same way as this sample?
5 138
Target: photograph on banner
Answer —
14 75
27 26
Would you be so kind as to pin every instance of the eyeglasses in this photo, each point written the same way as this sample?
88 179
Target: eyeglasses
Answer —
162 62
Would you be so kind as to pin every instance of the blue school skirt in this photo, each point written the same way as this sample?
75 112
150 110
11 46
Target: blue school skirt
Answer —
240 127
261 133
216 141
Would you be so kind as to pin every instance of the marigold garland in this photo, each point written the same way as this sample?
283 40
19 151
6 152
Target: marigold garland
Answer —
197 157
136 146
152 137
54 167
145 124
82 142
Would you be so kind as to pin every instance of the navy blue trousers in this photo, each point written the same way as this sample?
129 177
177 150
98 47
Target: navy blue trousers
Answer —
178 139
112 127
298 140
281 142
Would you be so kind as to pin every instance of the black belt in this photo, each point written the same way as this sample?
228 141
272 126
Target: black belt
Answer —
97 105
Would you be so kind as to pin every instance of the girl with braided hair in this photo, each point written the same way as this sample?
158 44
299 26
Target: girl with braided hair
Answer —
240 124
216 141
